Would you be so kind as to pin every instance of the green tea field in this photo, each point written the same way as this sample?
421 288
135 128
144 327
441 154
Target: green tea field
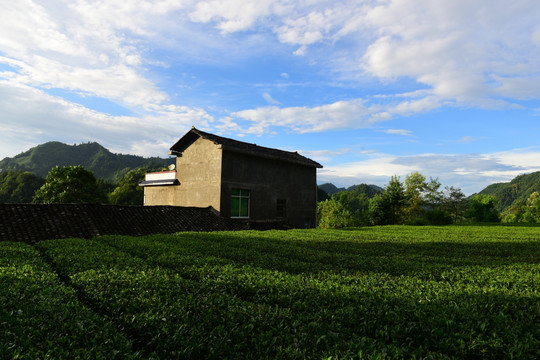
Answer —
397 292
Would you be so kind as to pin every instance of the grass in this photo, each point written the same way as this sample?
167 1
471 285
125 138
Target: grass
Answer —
378 292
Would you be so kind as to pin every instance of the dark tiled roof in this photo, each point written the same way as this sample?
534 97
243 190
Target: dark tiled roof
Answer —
35 222
243 147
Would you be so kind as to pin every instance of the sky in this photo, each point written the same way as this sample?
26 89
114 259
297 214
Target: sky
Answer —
368 88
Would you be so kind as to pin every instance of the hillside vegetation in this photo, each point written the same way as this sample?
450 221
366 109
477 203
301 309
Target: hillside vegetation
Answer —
417 201
381 292
369 190
517 190
101 162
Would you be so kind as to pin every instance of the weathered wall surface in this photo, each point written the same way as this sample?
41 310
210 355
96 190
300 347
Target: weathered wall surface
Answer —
160 195
199 174
270 180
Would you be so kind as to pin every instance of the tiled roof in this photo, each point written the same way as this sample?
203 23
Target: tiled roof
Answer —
243 147
35 222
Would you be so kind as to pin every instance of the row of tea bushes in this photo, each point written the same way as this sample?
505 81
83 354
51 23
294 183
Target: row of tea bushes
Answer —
42 318
166 315
400 292
472 294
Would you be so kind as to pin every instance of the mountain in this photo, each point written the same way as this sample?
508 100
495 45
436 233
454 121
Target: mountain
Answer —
92 156
331 189
519 189
325 191
369 190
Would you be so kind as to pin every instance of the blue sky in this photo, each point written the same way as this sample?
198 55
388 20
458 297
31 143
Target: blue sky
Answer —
370 89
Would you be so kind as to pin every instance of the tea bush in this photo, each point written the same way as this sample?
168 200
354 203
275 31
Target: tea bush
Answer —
394 291
42 318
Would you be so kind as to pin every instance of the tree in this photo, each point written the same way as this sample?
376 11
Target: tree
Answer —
356 200
415 186
454 202
396 199
128 191
69 184
532 213
523 211
18 186
433 197
387 208
514 213
482 208
379 210
333 214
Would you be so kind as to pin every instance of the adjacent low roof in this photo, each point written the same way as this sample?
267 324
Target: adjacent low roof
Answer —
241 147
159 178
158 182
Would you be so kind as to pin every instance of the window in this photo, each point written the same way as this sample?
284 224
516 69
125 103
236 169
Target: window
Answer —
240 203
281 208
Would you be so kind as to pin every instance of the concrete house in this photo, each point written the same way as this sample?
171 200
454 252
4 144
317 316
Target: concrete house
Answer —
238 179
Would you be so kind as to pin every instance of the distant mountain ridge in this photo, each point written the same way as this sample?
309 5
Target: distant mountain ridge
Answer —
92 156
371 190
519 189
330 188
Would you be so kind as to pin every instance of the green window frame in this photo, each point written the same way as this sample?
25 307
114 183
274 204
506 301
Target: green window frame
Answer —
240 203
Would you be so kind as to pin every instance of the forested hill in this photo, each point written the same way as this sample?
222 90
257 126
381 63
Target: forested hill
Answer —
330 189
369 190
92 156
357 196
519 189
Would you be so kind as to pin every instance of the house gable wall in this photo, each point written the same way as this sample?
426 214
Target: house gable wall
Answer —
270 180
199 175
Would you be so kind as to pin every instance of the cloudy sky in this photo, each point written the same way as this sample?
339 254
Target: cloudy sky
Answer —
369 88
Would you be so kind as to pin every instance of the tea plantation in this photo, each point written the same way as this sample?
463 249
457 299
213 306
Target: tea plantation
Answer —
381 292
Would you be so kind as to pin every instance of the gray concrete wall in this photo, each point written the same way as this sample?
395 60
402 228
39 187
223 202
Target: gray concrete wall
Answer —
199 174
160 195
270 180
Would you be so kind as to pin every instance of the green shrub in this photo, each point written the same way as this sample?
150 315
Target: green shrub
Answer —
392 291
41 318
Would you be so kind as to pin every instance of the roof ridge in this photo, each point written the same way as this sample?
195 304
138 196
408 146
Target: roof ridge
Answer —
250 148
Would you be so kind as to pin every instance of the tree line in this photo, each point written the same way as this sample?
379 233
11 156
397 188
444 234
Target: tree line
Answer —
71 184
418 201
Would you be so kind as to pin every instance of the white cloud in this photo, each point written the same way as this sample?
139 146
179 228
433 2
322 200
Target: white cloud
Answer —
269 99
481 53
528 158
324 155
354 114
305 30
118 82
401 132
31 117
236 15
466 51
467 139
304 119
